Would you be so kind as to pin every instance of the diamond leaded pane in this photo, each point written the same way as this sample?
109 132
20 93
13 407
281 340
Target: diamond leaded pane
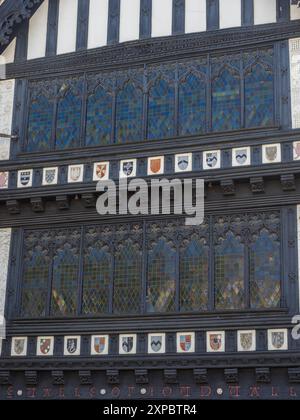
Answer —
226 105
192 105
129 114
127 279
265 286
161 112
229 274
99 118
36 274
96 280
161 278
65 274
194 277
259 97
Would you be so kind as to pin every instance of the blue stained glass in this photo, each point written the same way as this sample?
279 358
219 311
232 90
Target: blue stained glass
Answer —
259 97
229 274
265 287
99 115
69 118
226 105
161 110
129 114
161 278
192 106
40 124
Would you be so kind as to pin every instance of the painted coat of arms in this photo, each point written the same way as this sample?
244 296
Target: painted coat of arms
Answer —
296 150
155 165
156 343
50 176
211 159
241 156
25 178
246 340
76 173
127 344
19 346
99 344
185 342
183 162
72 345
278 339
271 153
45 345
3 179
101 170
127 168
215 342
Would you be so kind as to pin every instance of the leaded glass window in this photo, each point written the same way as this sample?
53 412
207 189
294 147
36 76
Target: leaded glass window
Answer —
161 278
99 117
97 271
36 271
65 274
265 271
194 258
161 112
229 274
127 278
226 102
259 96
192 105
40 120
230 262
129 114
68 123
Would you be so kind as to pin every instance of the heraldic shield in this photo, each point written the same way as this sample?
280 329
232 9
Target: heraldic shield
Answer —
185 342
127 344
72 344
156 343
215 341
45 345
99 344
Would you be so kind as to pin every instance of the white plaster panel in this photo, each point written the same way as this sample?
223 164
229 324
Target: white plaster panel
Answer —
129 20
67 26
161 17
195 16
7 88
5 237
264 11
98 18
9 53
294 46
230 13
295 12
37 33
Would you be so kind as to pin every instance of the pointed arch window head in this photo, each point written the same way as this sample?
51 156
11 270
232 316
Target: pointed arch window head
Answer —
69 108
161 110
226 100
99 117
129 113
192 105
